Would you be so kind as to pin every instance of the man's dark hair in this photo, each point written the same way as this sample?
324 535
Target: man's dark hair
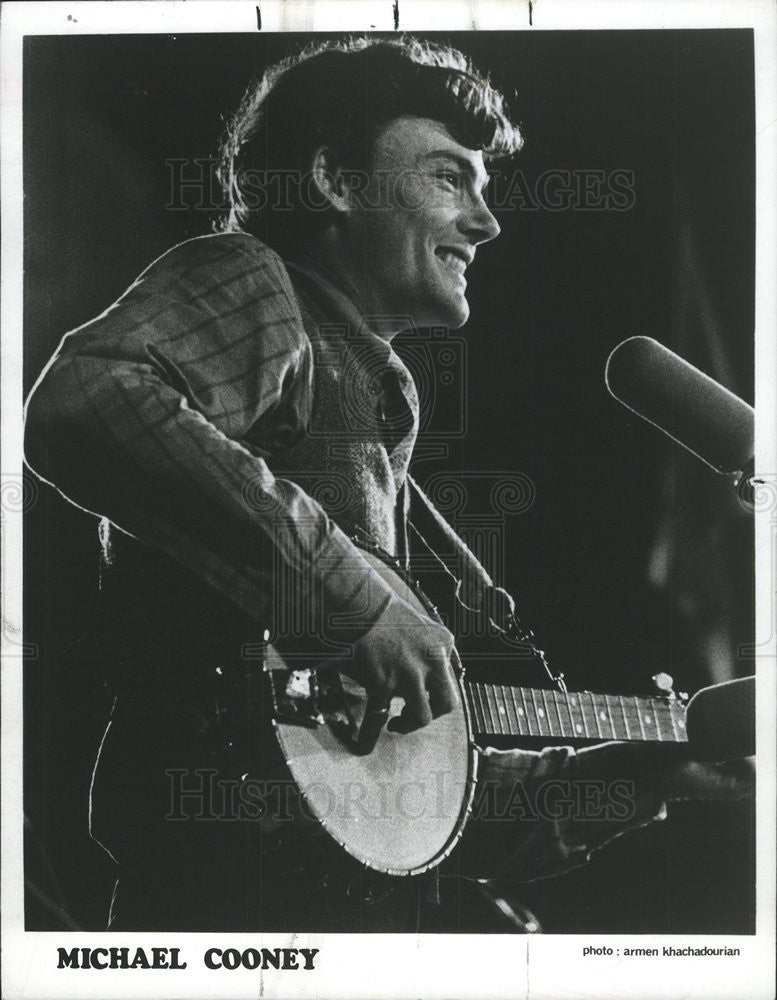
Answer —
342 94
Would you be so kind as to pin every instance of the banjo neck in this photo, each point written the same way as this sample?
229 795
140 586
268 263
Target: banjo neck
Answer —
504 710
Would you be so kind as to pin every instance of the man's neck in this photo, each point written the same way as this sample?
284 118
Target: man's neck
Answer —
327 261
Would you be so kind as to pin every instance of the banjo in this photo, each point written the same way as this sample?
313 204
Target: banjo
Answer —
401 809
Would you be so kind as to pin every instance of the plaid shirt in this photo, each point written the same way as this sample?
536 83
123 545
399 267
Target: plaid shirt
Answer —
162 413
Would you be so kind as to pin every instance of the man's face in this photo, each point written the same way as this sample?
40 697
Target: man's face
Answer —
417 223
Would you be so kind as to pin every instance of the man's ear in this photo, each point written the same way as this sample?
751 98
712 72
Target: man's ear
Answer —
330 180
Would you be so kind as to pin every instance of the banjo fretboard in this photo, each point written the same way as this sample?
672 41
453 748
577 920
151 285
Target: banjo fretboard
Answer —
504 710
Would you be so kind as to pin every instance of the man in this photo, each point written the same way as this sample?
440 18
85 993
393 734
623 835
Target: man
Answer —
200 414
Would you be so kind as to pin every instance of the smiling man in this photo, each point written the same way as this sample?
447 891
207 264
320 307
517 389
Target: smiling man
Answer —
241 417
409 256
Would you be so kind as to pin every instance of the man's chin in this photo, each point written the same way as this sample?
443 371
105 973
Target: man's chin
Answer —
450 314
463 316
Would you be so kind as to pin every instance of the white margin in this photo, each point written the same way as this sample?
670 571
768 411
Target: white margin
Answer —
402 966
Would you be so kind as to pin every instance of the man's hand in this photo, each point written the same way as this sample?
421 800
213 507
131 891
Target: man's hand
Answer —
693 779
408 656
667 772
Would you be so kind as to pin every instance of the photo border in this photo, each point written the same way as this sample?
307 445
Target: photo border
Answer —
397 966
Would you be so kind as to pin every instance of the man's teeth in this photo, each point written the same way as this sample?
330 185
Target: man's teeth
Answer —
453 261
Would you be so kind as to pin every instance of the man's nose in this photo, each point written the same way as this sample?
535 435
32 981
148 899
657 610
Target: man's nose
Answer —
479 223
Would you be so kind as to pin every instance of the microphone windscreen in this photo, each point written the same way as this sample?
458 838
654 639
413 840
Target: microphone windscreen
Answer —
683 402
720 720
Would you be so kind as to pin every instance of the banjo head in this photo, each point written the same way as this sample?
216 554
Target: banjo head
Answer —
401 808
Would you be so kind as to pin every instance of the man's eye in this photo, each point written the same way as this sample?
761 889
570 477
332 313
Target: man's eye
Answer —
449 177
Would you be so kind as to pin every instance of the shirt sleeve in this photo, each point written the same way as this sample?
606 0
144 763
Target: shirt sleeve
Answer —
155 415
540 813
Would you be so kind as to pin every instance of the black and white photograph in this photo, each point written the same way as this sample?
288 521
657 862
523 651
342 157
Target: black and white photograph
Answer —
388 502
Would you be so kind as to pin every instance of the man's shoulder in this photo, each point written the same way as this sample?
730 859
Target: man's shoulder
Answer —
225 264
217 250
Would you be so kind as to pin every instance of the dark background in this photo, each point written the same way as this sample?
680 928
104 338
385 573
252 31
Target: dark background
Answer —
549 300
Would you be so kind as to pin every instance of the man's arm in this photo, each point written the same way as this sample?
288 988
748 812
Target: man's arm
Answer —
541 813
156 415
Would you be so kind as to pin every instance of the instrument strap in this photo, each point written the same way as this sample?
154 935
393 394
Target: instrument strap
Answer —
493 601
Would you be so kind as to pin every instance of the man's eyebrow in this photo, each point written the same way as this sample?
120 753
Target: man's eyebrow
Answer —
462 161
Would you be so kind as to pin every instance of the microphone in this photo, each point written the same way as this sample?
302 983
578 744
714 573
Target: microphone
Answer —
687 405
720 720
